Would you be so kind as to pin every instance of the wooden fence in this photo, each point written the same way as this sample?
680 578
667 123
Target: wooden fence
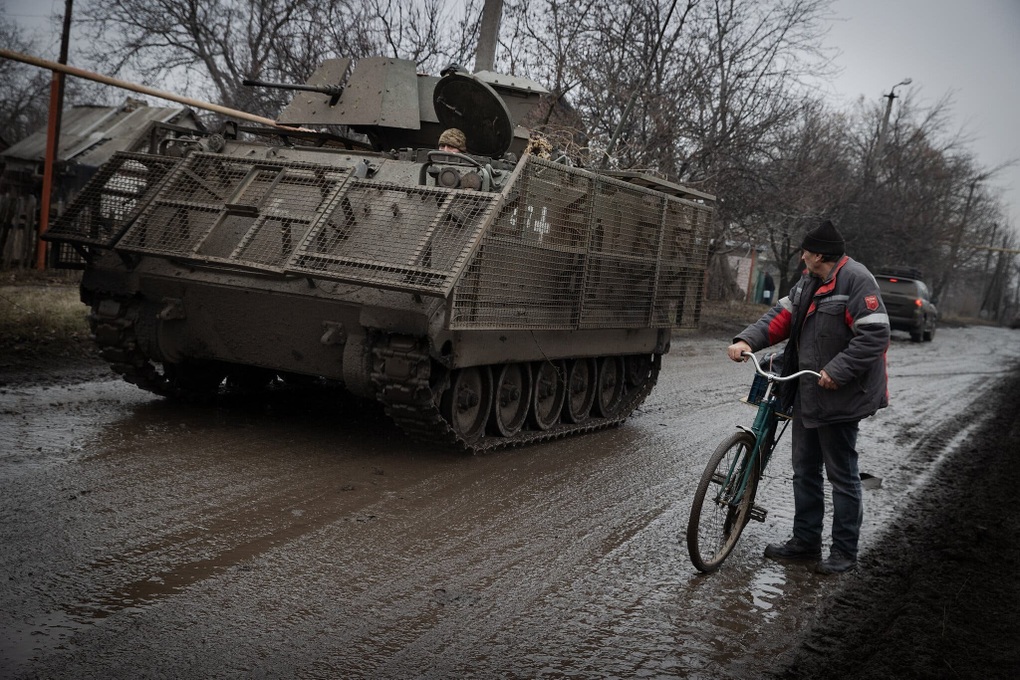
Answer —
19 229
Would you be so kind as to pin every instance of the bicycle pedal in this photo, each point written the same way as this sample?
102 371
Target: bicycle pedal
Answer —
758 513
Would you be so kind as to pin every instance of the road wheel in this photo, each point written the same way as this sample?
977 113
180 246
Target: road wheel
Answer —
547 399
511 399
581 382
465 406
639 369
609 394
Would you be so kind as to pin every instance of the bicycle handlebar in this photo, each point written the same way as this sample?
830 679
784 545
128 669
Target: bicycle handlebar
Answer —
773 376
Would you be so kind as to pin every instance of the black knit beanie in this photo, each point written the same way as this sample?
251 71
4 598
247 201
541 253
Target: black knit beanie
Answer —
824 239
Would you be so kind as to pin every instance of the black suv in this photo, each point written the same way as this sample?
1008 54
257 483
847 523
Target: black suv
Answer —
910 305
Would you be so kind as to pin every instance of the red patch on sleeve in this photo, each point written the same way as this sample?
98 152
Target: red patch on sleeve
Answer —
871 302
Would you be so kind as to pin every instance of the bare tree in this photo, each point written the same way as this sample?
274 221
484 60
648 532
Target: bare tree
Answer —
744 69
706 92
741 74
700 77
926 204
25 102
207 48
692 90
432 33
807 176
204 48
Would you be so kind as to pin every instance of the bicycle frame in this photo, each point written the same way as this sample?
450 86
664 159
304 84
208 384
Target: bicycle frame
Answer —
724 500
764 432
764 421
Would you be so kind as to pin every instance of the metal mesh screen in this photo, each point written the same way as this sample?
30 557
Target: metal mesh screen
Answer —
571 249
244 212
560 248
682 262
111 199
396 236
66 256
531 262
305 218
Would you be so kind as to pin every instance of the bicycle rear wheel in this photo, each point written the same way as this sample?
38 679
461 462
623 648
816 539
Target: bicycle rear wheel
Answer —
717 516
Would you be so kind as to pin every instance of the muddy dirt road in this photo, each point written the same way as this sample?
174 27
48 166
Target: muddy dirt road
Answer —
307 537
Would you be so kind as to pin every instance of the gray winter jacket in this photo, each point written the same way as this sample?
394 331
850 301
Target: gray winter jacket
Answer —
845 332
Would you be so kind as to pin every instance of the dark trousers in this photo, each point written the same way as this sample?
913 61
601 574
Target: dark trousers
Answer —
832 447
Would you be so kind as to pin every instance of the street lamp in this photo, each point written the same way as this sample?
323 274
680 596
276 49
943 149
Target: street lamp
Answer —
885 120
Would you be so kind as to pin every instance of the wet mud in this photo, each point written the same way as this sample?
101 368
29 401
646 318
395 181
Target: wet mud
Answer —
938 595
303 535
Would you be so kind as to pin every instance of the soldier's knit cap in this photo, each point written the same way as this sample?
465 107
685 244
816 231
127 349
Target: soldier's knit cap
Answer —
824 239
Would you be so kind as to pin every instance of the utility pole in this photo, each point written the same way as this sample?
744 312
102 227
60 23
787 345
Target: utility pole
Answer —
992 301
884 130
52 139
958 238
485 53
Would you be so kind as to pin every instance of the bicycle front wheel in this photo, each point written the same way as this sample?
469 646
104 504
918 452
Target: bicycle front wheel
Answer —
718 516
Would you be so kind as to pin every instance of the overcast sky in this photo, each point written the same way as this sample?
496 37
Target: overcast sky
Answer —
969 49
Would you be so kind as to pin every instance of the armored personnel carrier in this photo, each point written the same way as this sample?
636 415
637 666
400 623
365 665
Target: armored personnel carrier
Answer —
486 298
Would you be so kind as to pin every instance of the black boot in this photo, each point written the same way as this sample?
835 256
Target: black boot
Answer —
794 549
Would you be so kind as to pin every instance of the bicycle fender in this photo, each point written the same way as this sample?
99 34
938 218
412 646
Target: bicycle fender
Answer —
747 430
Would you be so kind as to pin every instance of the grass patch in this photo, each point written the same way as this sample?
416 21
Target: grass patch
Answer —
728 317
40 321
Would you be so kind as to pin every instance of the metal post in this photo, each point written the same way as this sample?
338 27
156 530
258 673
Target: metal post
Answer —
52 140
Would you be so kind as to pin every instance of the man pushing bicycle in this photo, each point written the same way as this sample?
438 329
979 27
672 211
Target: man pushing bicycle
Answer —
836 324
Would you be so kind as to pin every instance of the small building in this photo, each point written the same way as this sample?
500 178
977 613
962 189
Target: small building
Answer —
89 136
744 272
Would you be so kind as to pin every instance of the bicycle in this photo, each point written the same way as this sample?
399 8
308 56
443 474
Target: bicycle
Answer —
730 480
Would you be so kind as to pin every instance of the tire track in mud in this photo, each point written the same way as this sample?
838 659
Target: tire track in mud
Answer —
326 549
178 507
927 442
473 585
223 526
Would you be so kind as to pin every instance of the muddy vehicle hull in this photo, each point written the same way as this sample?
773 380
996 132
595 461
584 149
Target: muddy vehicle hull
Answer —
485 302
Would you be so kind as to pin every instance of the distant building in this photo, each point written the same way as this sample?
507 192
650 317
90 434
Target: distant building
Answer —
749 267
89 136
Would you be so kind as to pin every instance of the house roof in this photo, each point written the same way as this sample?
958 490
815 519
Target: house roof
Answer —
90 135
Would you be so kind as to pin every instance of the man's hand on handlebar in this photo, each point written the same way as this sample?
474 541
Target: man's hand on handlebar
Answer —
827 382
737 349
741 351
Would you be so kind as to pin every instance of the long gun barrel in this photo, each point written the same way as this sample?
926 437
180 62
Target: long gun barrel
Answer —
331 90
98 77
